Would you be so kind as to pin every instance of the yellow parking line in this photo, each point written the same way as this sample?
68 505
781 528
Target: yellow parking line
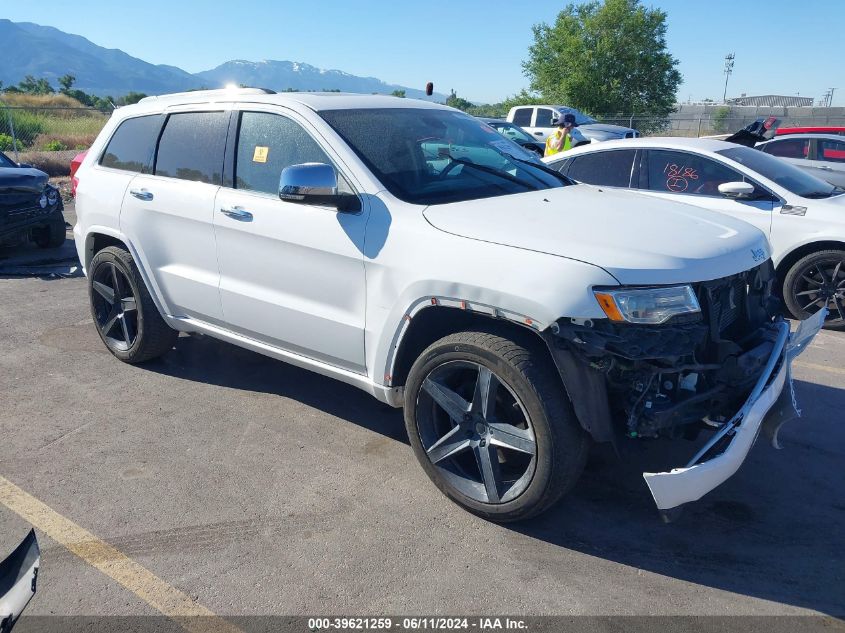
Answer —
832 370
113 563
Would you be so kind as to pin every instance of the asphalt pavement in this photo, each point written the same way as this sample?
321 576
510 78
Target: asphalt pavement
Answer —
254 487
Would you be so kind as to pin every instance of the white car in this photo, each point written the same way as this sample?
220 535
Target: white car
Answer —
513 315
803 216
822 155
541 121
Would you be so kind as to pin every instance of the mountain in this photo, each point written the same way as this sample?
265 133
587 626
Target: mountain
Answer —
44 51
280 75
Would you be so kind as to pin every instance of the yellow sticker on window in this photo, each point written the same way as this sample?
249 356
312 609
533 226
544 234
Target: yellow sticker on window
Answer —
260 154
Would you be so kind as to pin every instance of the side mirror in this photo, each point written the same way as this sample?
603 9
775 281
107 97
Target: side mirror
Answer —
315 184
554 121
736 189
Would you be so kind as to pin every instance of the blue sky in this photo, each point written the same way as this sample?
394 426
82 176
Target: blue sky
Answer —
473 46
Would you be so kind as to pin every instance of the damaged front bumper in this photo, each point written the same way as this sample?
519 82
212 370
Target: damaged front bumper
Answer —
770 404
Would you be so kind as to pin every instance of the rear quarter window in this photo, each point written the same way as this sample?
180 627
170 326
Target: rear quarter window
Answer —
132 145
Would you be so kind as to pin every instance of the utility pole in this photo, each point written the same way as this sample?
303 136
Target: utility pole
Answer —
830 97
729 68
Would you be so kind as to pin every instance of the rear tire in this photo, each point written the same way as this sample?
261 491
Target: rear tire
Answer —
126 318
51 236
527 435
815 280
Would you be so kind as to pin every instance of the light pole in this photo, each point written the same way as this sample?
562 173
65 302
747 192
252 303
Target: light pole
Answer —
729 68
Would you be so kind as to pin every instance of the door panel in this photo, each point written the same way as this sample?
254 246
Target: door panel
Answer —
292 275
170 214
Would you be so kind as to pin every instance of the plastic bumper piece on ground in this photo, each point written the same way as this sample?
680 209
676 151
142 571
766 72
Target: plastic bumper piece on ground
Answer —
683 485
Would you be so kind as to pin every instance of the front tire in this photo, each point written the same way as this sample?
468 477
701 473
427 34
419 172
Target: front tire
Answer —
815 281
490 424
51 236
126 318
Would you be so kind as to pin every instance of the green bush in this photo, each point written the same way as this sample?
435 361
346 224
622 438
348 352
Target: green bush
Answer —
55 146
27 125
6 143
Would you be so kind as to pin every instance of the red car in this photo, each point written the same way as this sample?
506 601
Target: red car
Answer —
74 165
811 130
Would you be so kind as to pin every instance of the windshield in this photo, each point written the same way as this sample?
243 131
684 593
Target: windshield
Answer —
785 174
428 156
580 117
511 131
5 161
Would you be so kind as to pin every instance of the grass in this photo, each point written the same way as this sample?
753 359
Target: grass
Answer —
50 121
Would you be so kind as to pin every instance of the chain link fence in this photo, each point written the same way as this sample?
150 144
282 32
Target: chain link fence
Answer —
48 137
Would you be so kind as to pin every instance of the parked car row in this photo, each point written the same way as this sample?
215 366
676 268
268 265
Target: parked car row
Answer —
515 315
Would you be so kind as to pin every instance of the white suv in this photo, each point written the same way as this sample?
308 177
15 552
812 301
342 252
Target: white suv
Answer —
408 249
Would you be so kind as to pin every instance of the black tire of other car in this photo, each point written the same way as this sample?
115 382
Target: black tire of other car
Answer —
126 318
815 280
52 235
526 384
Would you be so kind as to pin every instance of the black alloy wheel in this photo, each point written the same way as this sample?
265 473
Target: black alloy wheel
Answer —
115 307
817 281
476 431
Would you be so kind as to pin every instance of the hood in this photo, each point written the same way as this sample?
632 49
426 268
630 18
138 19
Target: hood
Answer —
636 238
22 180
605 128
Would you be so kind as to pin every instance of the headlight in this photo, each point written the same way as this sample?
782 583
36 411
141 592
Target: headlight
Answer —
647 305
52 197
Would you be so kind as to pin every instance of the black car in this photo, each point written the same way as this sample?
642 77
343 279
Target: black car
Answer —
517 135
30 207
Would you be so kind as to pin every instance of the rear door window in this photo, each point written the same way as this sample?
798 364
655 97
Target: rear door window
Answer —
191 147
132 146
544 118
788 148
608 168
522 117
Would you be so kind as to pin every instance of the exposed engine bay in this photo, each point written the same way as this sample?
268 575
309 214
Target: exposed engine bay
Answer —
678 377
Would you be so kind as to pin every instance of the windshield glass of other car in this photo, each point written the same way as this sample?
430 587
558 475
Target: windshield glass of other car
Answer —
785 174
5 161
438 156
580 117
511 131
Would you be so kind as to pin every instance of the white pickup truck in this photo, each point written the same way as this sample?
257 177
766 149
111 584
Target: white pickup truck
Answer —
541 120
408 249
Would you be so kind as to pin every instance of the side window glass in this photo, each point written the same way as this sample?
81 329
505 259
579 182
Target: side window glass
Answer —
832 151
132 146
191 147
544 118
788 148
608 168
267 143
679 172
522 117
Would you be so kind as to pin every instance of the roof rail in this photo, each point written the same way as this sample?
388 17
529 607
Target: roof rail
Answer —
221 92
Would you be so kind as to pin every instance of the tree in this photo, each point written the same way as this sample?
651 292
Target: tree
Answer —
31 85
454 101
66 82
398 93
605 57
129 98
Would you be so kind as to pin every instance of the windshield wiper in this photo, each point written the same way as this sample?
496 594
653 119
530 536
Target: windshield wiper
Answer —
496 172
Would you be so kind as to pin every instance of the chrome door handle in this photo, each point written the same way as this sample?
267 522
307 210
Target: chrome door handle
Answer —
237 213
141 194
538 134
825 167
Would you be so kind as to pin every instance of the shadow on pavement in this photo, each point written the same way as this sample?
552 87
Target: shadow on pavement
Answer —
774 531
